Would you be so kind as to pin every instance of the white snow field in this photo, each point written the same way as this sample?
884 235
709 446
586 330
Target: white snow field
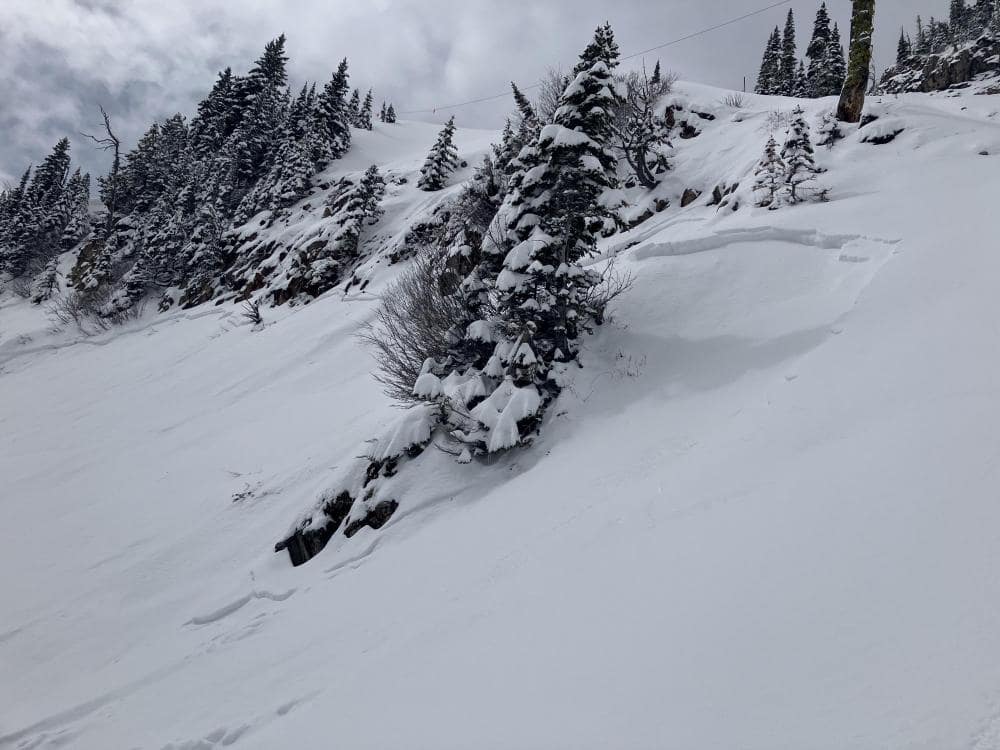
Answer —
765 516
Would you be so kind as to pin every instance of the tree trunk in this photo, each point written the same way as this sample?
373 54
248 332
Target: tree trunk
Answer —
852 98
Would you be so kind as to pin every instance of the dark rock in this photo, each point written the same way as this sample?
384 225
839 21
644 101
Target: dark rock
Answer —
376 518
304 544
661 204
688 131
648 213
690 196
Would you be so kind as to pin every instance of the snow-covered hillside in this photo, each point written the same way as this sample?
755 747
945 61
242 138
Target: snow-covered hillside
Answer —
763 516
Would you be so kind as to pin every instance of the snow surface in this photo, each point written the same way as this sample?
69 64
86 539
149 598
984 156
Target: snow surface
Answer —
764 515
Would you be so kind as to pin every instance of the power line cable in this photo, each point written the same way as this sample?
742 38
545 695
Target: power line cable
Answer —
634 55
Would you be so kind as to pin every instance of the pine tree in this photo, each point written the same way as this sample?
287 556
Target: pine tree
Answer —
801 89
14 226
769 177
603 48
354 108
528 122
365 114
217 116
77 225
923 42
958 21
903 49
657 76
334 114
441 161
381 114
545 301
268 72
768 80
800 166
390 114
818 53
359 207
788 67
836 65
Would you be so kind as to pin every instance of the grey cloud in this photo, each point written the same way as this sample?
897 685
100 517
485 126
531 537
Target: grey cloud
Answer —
146 59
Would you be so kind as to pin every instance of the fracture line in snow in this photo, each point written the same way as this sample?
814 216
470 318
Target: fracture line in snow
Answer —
237 605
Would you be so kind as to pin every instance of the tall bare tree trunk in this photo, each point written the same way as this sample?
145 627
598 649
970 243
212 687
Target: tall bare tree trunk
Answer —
852 98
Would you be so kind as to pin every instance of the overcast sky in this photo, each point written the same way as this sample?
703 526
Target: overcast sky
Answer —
146 59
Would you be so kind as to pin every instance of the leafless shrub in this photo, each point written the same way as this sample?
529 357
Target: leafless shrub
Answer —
778 121
735 100
550 91
613 284
639 127
251 311
21 286
416 321
90 312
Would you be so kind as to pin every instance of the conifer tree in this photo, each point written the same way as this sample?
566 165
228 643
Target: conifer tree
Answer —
818 54
603 48
769 78
922 44
788 67
354 108
958 21
801 89
769 177
545 304
334 114
657 75
365 115
800 166
441 161
381 114
359 207
528 124
903 48
390 114
836 65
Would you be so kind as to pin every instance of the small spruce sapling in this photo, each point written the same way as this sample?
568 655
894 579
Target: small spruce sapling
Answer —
800 166
770 177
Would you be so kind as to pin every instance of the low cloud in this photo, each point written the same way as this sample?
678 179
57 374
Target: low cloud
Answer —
145 60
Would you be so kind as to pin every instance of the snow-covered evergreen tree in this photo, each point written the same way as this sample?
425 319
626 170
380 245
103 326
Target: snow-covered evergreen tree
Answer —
390 114
334 115
836 70
801 89
544 292
904 48
769 177
818 53
787 70
354 108
441 161
657 75
365 114
769 77
800 164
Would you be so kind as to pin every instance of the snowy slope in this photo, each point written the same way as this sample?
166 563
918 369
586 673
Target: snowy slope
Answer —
765 515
